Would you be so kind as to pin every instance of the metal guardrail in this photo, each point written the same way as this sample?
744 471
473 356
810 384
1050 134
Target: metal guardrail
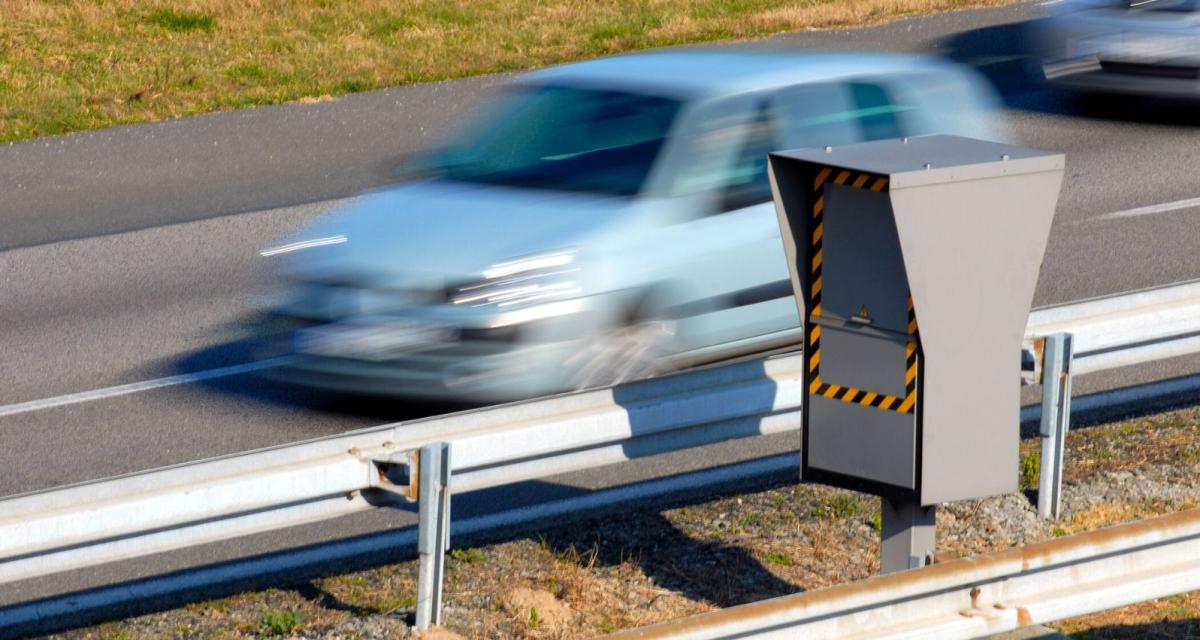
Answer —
1126 329
974 597
161 510
154 511
1097 335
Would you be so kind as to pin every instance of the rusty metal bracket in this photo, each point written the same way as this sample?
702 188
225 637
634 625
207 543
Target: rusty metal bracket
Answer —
397 473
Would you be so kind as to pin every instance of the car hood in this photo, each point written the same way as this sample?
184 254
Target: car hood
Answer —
437 232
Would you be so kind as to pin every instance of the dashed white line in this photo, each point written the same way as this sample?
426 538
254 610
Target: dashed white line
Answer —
306 244
1152 209
134 387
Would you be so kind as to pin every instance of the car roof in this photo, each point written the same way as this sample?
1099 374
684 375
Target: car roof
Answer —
697 72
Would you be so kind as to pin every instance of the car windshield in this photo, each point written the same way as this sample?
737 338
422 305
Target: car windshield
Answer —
561 138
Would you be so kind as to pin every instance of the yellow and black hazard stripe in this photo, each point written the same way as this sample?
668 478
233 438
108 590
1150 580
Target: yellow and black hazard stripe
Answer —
816 386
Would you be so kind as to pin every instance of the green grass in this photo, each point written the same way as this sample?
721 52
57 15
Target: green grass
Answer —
181 19
71 65
780 559
844 505
750 520
470 555
280 623
1029 471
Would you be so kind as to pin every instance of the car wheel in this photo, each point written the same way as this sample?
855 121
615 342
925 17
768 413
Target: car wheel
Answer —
633 351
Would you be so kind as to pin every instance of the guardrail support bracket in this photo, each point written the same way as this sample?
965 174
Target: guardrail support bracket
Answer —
433 531
1056 421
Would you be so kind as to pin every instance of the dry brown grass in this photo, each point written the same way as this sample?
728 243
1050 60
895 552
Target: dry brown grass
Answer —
1167 618
79 64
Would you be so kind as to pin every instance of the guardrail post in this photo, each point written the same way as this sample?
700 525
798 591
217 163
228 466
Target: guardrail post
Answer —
1056 421
433 530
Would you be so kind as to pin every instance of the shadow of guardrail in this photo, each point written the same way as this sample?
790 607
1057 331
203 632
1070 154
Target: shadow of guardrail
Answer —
1125 403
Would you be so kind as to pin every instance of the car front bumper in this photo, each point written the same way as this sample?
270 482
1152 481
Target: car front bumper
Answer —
458 364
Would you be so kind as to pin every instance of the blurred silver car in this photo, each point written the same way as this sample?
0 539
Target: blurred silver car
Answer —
597 222
1148 47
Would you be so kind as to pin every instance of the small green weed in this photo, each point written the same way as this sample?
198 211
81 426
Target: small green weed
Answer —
352 85
280 623
248 71
386 25
844 505
1058 532
750 520
780 559
1029 470
877 521
533 618
398 604
470 555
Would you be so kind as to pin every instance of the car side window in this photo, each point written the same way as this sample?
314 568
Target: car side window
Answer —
876 111
837 113
816 115
749 185
726 155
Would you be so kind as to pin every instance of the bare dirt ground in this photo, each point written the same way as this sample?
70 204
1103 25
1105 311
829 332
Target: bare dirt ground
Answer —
593 577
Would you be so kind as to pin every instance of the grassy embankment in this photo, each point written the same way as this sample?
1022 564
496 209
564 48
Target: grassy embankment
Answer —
70 65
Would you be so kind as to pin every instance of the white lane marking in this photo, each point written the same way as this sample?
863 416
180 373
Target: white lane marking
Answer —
304 244
1152 209
145 385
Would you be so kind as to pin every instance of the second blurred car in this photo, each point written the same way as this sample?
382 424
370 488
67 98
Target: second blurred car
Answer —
1139 47
598 222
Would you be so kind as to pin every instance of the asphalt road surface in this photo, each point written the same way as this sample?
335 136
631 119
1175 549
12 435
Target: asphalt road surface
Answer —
130 255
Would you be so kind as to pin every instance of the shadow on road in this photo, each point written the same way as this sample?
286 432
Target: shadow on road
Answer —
261 389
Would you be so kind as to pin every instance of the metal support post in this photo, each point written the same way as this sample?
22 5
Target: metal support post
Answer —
908 538
1056 421
433 530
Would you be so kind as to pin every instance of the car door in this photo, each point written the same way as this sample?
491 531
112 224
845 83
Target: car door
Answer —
728 258
718 256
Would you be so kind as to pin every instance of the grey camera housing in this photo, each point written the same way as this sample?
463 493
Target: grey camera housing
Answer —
914 263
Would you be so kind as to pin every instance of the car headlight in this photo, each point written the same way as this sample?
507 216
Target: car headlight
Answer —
525 289
522 282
